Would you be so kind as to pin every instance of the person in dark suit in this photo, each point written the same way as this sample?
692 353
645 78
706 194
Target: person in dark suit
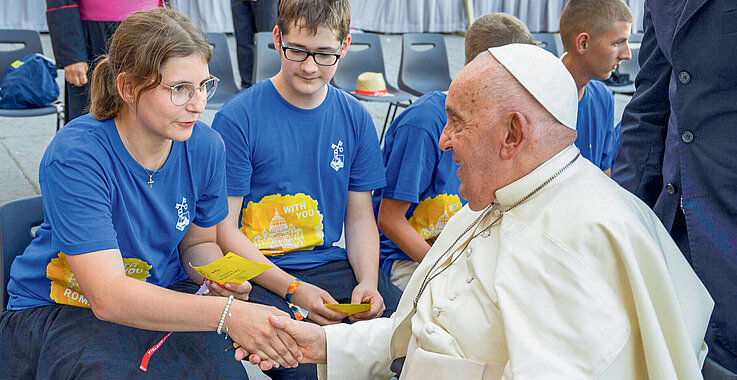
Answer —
80 31
679 145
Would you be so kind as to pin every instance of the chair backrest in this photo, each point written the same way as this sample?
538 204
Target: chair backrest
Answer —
364 54
547 41
631 66
221 67
267 61
424 64
635 37
30 39
17 219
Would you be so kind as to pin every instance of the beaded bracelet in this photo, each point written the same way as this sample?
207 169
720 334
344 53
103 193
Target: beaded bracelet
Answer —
225 313
292 288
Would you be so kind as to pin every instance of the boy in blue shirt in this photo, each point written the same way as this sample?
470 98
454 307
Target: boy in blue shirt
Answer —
594 35
302 160
422 186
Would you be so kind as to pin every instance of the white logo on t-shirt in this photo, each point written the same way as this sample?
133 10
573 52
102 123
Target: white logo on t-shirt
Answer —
337 162
183 220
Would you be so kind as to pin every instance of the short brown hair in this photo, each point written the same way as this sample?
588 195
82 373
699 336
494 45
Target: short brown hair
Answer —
139 47
594 17
312 14
492 30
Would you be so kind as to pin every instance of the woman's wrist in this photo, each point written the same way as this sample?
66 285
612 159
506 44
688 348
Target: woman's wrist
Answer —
226 314
292 288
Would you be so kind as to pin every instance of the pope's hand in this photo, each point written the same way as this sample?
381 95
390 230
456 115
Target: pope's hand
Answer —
310 338
367 293
249 327
238 291
313 299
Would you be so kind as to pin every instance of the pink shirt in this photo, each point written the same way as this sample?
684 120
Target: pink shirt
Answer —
113 10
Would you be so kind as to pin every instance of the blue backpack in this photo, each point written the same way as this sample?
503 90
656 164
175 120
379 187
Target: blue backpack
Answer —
29 83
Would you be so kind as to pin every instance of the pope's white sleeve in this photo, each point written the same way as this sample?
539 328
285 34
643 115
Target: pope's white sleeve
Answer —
358 351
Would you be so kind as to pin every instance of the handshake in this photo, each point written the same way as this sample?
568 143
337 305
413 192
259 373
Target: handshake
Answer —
284 342
270 338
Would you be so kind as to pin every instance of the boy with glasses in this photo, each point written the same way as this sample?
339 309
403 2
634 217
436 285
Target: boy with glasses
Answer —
302 160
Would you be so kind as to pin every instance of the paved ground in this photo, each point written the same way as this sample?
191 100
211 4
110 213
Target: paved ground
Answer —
23 140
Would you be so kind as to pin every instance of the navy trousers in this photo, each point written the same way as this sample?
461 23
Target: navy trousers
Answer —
96 37
68 342
248 19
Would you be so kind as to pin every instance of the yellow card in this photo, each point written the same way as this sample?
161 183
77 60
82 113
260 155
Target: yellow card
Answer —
349 308
231 268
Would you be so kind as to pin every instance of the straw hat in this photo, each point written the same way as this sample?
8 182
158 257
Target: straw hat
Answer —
371 84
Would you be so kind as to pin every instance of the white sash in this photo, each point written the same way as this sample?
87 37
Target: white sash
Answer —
425 365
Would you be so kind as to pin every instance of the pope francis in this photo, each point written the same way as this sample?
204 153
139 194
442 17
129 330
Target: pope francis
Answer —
552 271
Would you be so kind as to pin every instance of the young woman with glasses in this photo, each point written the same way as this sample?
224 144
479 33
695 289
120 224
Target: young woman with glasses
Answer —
132 193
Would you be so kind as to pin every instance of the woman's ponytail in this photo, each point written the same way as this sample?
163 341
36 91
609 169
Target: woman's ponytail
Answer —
105 103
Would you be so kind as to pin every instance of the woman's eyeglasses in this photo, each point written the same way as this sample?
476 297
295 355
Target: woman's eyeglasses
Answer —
183 92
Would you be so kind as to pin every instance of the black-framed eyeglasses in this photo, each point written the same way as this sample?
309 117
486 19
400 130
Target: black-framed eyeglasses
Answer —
300 55
183 92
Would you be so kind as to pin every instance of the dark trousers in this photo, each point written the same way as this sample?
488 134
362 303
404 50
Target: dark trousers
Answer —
96 37
68 342
248 19
338 279
718 351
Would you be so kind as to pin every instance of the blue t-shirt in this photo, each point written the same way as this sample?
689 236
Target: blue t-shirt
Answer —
595 127
294 168
417 171
97 197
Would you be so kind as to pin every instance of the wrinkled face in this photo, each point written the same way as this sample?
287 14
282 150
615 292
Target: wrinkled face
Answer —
159 115
607 51
470 133
306 78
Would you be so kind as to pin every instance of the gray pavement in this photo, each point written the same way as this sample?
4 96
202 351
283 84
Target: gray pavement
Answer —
23 140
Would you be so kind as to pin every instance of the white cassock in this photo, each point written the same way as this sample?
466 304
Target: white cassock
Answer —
580 281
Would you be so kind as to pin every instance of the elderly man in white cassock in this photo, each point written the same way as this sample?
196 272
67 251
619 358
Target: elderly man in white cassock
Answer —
551 270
